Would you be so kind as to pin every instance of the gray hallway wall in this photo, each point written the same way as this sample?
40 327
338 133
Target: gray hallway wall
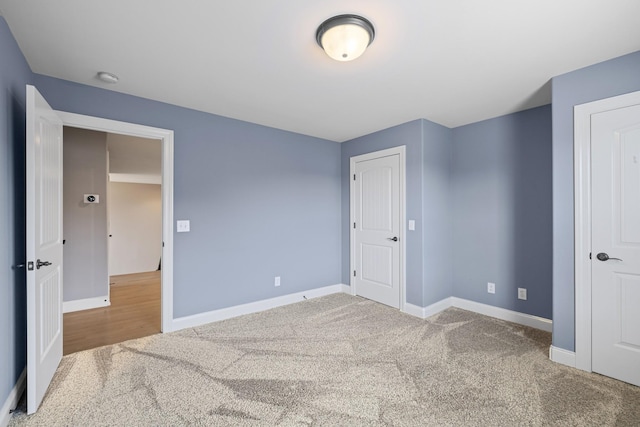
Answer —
85 225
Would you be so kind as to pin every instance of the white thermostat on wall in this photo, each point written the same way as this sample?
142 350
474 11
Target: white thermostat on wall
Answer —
91 198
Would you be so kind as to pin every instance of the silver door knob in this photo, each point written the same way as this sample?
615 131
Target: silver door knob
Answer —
602 256
395 239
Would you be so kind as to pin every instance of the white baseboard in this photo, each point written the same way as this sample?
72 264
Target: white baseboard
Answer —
562 356
413 310
13 399
428 311
504 314
487 310
85 304
254 307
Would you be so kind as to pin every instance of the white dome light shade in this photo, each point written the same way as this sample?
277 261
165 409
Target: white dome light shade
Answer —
345 37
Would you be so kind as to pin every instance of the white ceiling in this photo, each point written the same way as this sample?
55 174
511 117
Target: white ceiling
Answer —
450 61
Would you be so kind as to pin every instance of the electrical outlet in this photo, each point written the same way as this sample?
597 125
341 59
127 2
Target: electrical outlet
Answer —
522 293
276 282
183 226
491 288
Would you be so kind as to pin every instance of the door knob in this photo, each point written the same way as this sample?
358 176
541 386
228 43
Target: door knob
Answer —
395 239
602 256
42 264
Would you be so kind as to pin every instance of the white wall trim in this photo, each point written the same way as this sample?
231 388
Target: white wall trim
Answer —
134 178
254 307
401 152
414 310
562 356
346 289
582 218
411 309
476 307
13 399
437 307
166 138
504 314
85 304
430 310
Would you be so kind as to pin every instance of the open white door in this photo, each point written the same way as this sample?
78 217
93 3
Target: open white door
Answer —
44 246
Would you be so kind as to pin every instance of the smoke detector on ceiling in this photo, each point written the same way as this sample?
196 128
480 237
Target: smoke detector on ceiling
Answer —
108 77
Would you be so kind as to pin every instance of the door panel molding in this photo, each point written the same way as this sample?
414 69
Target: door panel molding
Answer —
582 219
43 244
166 138
400 152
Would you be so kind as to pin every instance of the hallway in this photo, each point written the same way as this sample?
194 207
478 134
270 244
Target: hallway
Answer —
134 313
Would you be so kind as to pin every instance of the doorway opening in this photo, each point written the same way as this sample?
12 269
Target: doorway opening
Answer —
113 238
137 268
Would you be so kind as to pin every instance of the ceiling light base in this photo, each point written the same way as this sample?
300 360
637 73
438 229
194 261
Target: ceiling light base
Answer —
345 37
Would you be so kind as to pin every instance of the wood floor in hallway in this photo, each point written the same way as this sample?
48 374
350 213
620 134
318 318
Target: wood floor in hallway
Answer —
134 313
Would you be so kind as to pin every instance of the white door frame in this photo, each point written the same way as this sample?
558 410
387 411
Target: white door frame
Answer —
401 150
582 218
166 137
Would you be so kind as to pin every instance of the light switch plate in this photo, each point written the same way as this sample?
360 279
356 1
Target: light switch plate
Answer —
183 226
412 224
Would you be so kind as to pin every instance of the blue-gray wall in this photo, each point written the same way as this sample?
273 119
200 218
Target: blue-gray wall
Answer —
428 146
14 75
481 198
435 227
610 78
262 202
409 135
501 211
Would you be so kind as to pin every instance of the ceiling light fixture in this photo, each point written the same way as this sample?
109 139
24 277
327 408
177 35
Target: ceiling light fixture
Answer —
345 37
108 77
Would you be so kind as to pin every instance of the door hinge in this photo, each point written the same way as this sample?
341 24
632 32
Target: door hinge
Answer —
30 265
354 176
589 255
354 225
163 244
354 273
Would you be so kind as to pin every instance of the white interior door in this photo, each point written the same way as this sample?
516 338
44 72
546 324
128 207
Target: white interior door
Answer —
615 169
377 228
44 246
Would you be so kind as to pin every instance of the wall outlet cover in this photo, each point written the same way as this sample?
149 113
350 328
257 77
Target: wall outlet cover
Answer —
522 293
491 288
183 226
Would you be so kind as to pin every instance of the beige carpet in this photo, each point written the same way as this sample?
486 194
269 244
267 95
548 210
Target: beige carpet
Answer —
334 361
